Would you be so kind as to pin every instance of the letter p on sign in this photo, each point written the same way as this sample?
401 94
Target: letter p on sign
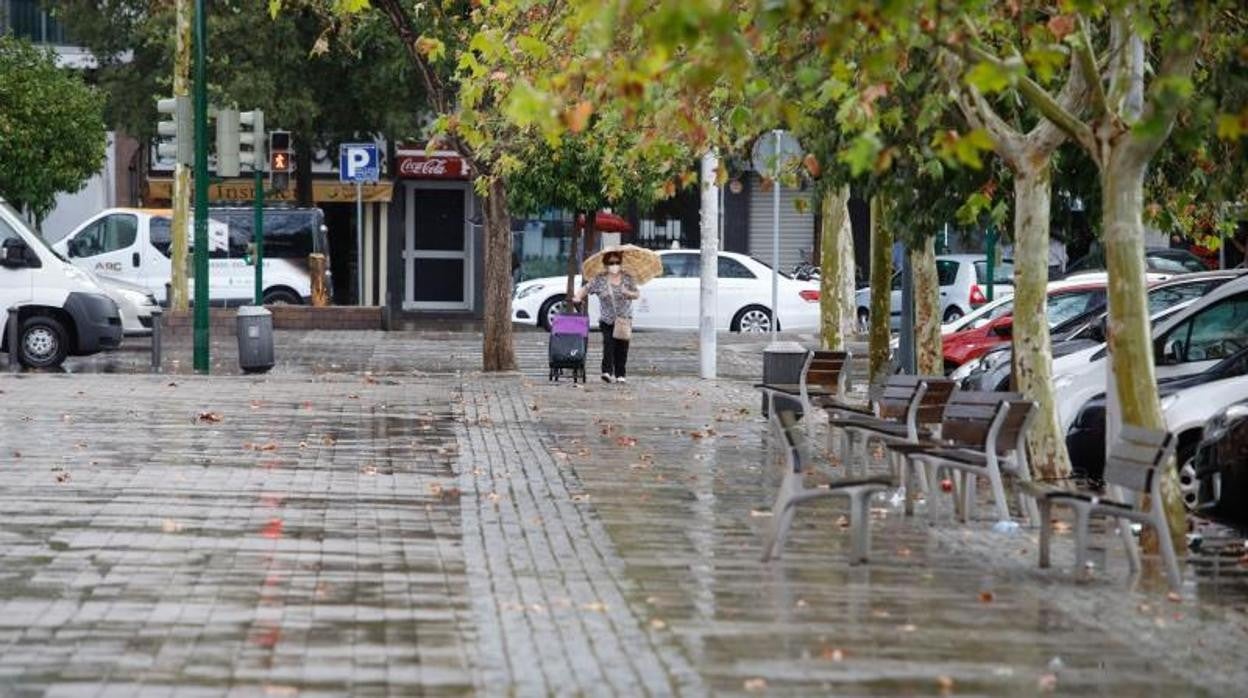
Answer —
358 162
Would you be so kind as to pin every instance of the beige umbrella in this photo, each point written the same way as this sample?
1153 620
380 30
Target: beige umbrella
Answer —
637 262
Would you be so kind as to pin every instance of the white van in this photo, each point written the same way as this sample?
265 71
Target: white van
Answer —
62 311
134 245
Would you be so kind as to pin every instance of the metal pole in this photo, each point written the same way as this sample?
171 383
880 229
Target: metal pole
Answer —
992 258
157 341
258 230
12 330
710 266
201 362
775 239
359 241
906 357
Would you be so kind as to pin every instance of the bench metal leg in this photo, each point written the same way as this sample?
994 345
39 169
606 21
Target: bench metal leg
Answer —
970 483
903 479
859 526
1130 547
1168 556
1046 531
1081 539
782 515
998 494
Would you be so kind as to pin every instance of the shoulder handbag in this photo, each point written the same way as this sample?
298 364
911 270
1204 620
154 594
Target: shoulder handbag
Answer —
623 328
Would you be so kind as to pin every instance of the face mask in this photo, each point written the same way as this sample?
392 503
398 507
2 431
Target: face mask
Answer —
613 268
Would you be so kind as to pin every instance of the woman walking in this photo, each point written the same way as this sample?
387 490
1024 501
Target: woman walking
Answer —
616 290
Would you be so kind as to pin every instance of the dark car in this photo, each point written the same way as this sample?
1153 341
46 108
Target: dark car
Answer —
1085 440
1161 260
992 370
1221 466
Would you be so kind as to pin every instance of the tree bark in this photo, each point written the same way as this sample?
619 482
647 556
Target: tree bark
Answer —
834 211
849 277
1033 363
178 285
1131 359
927 349
881 280
498 354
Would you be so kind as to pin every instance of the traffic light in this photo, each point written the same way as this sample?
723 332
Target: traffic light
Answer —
177 137
251 140
227 142
280 163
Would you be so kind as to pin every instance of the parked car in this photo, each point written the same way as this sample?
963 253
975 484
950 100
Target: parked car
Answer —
135 245
1066 299
1215 480
992 370
963 282
134 302
1162 260
1187 403
1189 341
671 301
62 310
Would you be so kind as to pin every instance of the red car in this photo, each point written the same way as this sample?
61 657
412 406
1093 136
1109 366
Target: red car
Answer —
1066 300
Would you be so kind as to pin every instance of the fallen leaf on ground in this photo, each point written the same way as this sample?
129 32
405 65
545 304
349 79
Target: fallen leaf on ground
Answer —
170 526
1174 597
328 440
1047 683
755 685
657 623
626 441
986 597
210 417
832 654
945 683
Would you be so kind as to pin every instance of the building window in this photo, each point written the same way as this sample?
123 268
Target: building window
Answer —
27 19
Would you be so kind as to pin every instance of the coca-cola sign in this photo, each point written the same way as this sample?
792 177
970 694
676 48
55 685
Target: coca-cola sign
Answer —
435 166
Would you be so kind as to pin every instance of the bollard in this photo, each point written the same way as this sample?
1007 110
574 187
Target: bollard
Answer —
156 340
12 330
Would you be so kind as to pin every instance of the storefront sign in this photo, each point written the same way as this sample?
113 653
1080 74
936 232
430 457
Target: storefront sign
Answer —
440 164
243 190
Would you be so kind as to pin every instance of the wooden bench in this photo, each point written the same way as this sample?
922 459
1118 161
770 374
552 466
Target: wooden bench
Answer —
793 491
907 410
824 376
982 434
1133 469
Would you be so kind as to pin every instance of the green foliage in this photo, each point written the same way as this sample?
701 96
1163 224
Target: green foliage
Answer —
325 91
52 134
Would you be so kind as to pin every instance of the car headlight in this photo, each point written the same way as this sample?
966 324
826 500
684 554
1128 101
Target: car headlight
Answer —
1224 419
966 369
528 291
1169 400
993 359
136 298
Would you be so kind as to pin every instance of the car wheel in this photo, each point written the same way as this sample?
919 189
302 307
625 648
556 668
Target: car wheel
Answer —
281 296
44 342
1189 485
952 314
864 320
753 319
552 307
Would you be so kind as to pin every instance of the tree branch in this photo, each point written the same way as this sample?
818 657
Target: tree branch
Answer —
1046 136
1086 60
1178 64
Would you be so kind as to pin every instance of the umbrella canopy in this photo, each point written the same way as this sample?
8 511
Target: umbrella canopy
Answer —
638 262
605 222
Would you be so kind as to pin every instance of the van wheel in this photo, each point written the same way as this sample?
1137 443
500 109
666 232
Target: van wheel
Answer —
281 296
44 343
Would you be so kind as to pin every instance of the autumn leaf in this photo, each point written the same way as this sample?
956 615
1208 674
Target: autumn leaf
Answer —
577 118
1061 26
811 164
209 417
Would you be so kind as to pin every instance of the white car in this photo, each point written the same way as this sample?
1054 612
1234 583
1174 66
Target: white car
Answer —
671 301
133 301
1189 340
963 282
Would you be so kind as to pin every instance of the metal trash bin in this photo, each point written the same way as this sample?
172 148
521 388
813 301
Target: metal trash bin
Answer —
782 363
255 339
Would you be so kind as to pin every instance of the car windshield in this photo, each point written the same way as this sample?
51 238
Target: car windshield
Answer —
1001 273
14 216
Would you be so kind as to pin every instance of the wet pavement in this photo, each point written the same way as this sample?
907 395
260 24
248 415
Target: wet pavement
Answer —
375 517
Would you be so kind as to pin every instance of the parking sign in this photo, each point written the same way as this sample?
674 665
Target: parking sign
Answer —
358 162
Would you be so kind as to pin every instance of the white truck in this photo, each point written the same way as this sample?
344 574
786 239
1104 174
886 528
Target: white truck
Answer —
135 245
61 310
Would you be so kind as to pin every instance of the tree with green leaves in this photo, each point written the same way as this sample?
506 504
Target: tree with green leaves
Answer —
52 134
1129 117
